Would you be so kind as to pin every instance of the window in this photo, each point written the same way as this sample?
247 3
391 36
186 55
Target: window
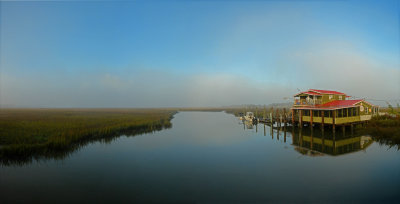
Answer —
366 110
330 97
340 97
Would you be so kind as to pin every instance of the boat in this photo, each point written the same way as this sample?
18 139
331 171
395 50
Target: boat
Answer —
249 116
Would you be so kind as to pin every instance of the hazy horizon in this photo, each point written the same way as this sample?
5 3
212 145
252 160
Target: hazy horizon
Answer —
141 54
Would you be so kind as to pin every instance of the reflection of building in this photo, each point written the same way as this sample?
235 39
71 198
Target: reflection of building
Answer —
247 124
314 143
330 107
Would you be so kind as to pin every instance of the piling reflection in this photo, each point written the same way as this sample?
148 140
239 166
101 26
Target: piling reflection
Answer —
315 142
248 125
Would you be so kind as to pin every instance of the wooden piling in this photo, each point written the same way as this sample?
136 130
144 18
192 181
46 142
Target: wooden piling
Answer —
351 126
322 120
284 117
301 118
276 115
292 117
271 120
272 116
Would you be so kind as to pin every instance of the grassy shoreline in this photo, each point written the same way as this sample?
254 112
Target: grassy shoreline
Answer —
385 129
27 134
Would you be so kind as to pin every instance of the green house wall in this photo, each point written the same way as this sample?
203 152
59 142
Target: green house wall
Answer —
325 98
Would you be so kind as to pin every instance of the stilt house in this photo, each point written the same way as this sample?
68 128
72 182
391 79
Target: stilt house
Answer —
330 107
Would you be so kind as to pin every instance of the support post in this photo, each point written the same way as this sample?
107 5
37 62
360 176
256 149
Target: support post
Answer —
276 115
292 117
284 117
322 120
351 126
272 116
285 121
301 118
270 119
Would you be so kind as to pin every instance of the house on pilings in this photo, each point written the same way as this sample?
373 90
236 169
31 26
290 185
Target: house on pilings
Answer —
330 108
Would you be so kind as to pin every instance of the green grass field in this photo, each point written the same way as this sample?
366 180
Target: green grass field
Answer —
29 131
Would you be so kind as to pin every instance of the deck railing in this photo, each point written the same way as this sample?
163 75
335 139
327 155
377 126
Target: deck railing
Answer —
305 102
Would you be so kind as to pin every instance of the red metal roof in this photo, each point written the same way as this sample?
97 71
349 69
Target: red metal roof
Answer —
339 104
326 92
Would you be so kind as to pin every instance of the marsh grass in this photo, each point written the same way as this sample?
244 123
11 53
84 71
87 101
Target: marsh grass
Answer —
385 129
27 134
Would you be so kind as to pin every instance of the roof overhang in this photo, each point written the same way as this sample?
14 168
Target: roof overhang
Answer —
322 108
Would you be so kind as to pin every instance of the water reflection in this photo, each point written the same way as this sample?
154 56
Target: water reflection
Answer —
318 143
209 158
315 142
248 125
20 157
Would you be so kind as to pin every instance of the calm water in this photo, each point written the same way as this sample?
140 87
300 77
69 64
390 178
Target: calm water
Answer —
213 158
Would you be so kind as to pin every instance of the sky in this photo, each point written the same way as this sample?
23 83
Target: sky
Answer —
195 53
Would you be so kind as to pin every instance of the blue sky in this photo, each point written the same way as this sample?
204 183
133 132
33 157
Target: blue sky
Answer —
195 53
